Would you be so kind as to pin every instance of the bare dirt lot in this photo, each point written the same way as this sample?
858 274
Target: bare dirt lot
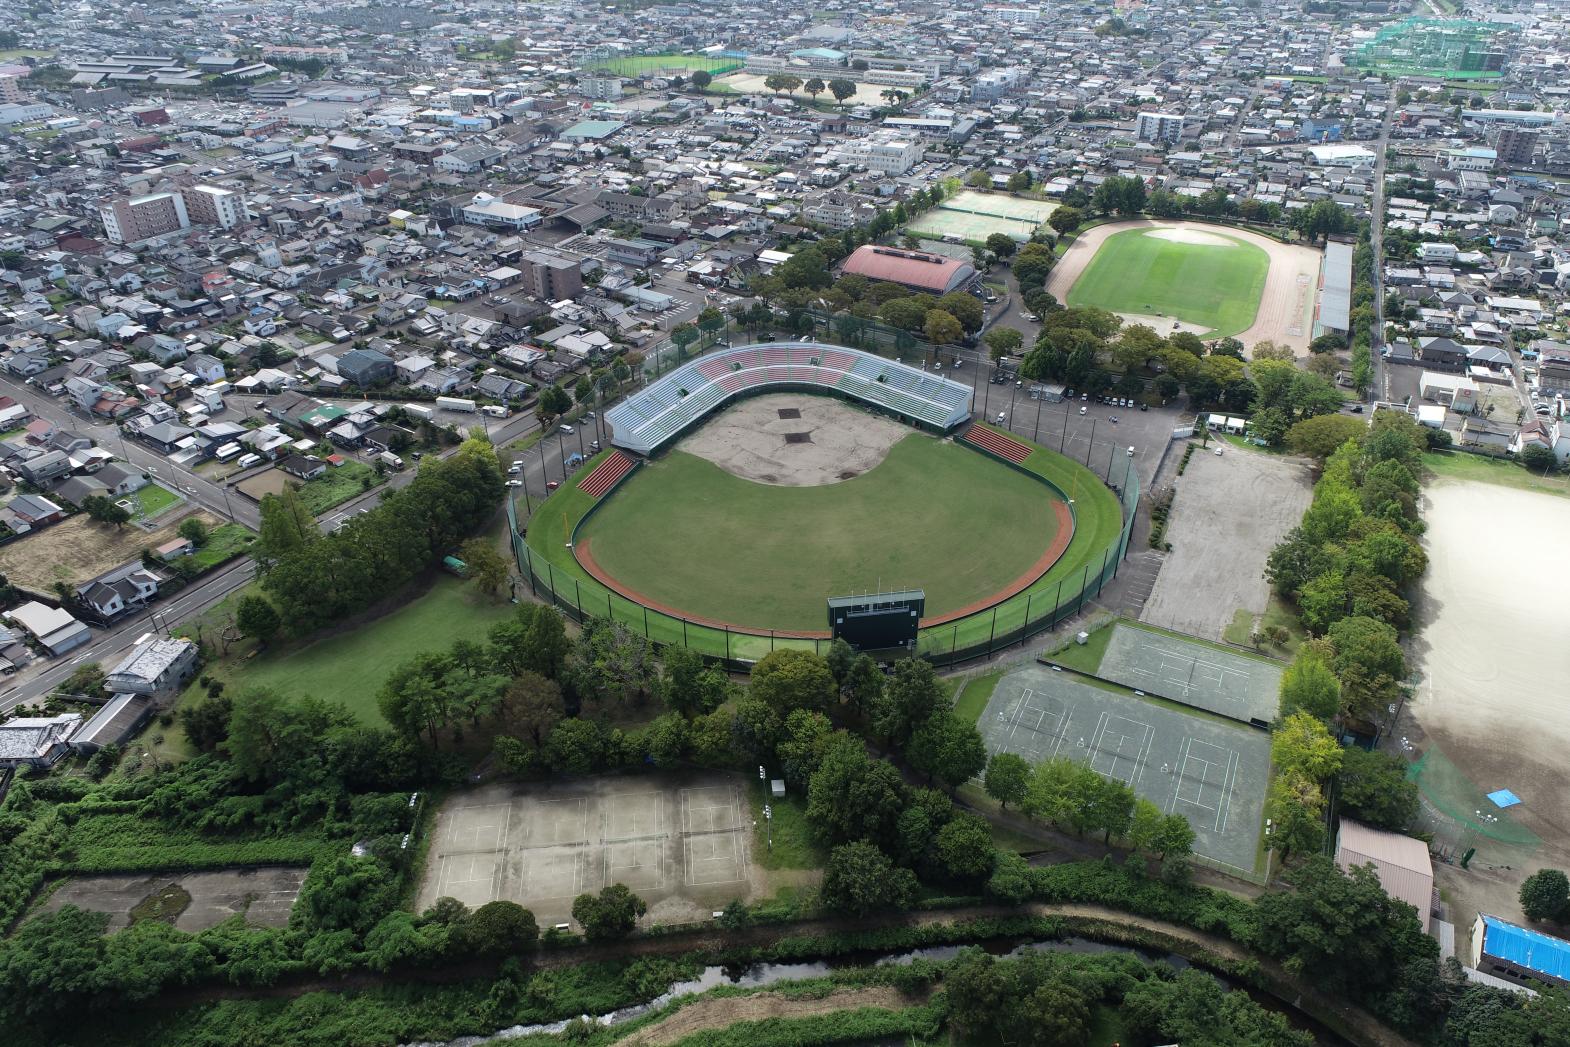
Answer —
77 549
1227 514
681 842
268 481
751 440
264 895
1286 307
1492 662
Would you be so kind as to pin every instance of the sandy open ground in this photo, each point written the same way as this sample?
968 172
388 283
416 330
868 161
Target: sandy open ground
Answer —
77 549
1286 308
264 894
748 84
1227 514
748 440
1492 658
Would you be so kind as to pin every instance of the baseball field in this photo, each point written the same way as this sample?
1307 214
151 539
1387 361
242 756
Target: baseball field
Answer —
1203 278
688 534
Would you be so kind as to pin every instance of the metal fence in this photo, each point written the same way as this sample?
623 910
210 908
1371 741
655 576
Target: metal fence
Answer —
981 635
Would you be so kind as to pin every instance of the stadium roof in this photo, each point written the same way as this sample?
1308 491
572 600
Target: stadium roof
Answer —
1524 947
916 269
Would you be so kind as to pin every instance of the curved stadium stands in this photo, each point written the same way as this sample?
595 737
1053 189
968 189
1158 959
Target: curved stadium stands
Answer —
647 420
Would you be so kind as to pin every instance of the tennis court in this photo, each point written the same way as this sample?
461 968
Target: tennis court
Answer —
1194 673
681 842
1018 208
1211 771
941 222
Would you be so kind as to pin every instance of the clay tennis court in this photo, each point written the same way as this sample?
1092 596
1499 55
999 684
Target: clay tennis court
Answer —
1286 306
681 842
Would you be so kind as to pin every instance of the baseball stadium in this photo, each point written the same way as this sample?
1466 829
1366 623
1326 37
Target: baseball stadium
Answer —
747 493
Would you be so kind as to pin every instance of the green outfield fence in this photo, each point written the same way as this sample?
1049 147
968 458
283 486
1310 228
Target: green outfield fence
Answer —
980 635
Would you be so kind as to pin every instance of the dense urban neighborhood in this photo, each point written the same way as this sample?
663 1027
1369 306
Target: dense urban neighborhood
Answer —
699 523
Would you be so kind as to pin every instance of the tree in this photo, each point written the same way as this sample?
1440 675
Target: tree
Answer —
1372 787
790 679
979 180
964 850
1322 435
1065 220
964 307
194 530
687 685
841 89
701 79
1007 777
1369 661
806 738
499 928
256 617
1302 743
1545 895
287 527
806 268
911 696
575 747
103 510
488 569
1309 685
814 87
1001 341
941 328
1535 457
852 797
1001 244
532 706
1019 181
948 749
611 915
554 402
861 879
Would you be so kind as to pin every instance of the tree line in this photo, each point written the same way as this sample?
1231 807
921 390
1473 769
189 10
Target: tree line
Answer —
314 579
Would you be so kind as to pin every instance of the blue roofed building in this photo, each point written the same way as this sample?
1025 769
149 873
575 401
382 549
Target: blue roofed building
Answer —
1519 954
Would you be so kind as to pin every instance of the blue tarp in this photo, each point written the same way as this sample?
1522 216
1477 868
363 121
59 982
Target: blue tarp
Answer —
1527 948
1504 798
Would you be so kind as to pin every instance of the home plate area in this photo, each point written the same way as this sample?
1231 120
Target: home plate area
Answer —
685 839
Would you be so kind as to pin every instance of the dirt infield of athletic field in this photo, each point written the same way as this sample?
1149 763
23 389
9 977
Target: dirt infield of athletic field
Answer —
1286 307
794 440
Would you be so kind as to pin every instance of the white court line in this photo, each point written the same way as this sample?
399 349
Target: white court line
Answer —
1144 756
1095 740
1226 791
1019 711
1178 785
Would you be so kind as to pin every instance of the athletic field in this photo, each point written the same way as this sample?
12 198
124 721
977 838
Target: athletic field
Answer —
684 533
637 65
1207 278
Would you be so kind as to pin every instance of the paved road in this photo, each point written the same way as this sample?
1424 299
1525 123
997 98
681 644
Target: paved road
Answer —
1376 240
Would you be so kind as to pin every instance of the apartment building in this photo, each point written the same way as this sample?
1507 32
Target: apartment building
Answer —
894 156
210 205
1514 145
131 219
548 277
1159 127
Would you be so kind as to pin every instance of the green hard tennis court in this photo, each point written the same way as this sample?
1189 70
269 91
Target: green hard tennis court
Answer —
637 65
686 534
1208 284
1098 522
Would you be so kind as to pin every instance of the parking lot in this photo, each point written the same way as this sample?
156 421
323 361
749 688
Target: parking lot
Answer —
680 842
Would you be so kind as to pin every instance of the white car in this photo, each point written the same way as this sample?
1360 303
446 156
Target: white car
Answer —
514 483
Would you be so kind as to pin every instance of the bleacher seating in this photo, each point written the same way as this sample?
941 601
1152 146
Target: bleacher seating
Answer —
605 475
647 420
999 444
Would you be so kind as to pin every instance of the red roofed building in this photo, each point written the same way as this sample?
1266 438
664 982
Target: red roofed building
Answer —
917 270
150 117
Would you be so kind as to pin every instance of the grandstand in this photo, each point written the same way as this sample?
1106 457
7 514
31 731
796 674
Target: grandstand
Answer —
646 421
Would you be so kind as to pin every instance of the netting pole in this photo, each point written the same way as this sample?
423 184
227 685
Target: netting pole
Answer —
1084 584
771 641
608 613
1101 579
528 561
1063 440
1110 453
551 580
727 641
954 643
1025 629
684 633
577 596
645 623
992 635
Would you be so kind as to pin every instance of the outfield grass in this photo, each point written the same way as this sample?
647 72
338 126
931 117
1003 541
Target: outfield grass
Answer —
1205 284
932 515
1458 465
349 668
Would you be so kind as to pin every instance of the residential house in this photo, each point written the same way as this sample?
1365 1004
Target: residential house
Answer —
366 367
126 588
156 667
54 629
36 741
28 512
303 467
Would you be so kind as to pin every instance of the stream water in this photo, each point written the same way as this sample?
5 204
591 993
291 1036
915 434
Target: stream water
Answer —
759 975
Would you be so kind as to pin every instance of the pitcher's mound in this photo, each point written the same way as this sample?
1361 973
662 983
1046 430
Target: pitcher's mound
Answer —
794 440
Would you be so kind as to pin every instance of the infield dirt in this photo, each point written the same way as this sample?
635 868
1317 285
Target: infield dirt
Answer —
749 440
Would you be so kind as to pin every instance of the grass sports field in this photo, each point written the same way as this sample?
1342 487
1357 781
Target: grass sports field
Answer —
1208 279
637 65
685 533
1098 520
